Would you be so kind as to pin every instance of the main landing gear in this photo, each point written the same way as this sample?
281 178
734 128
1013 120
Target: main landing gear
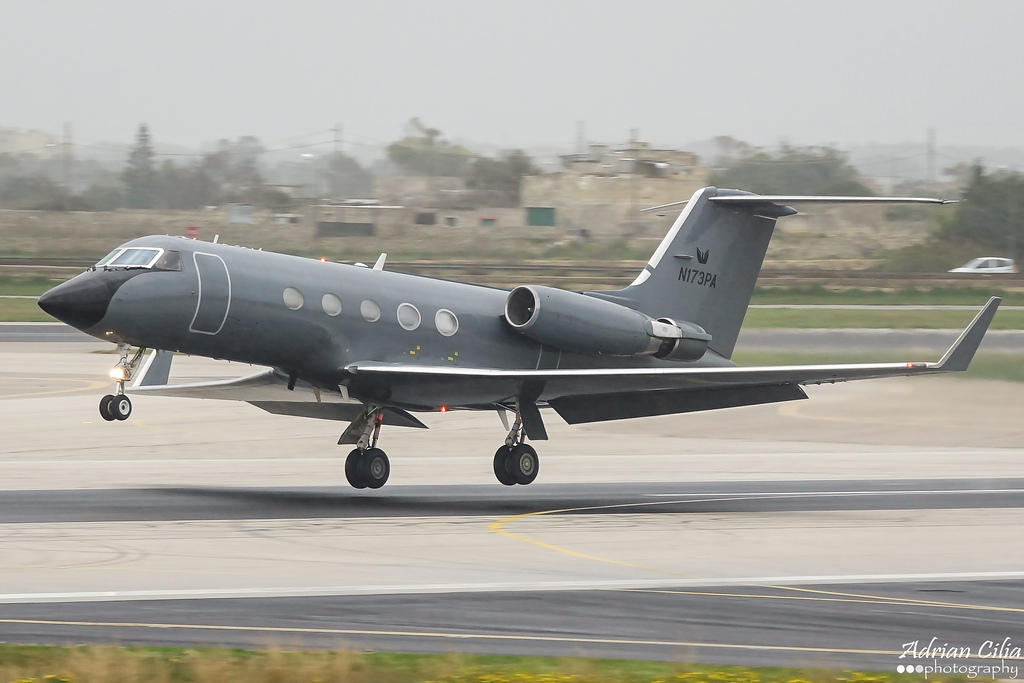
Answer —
516 462
367 466
117 406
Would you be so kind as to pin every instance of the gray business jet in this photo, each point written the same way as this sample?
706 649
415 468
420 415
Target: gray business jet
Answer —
368 346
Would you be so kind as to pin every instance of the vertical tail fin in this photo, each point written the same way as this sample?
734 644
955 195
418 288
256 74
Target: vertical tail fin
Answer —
705 269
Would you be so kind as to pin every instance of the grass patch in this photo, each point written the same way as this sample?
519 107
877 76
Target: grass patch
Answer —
11 286
940 296
43 664
986 365
23 311
901 320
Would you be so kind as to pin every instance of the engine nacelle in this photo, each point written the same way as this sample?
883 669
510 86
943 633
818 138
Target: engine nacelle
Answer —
577 322
691 343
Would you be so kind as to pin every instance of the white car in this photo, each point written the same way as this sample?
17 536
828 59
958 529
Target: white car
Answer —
987 265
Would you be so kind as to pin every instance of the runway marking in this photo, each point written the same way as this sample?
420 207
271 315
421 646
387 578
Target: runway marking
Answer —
668 585
498 527
801 411
461 636
869 600
838 494
88 385
446 458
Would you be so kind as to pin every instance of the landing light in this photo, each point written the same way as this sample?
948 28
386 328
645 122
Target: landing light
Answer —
119 374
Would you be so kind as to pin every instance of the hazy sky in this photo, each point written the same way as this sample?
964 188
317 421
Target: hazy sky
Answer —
518 73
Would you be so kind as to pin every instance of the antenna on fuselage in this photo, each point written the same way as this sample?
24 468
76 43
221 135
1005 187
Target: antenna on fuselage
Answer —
215 238
379 265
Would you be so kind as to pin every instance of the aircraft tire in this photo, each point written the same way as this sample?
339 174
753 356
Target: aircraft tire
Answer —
374 468
106 411
121 407
524 464
352 469
502 461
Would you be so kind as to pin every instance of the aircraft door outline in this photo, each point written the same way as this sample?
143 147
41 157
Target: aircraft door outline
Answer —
214 294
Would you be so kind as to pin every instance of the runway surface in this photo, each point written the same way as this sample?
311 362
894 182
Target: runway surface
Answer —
828 532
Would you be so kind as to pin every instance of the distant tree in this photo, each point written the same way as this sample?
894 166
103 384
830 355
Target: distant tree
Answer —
9 166
962 173
182 188
991 212
30 192
502 177
792 170
103 197
233 169
345 176
423 152
139 175
729 149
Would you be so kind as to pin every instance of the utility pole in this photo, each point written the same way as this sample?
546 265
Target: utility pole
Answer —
931 155
66 162
335 160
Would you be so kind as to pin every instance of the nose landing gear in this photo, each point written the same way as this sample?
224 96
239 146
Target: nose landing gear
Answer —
117 406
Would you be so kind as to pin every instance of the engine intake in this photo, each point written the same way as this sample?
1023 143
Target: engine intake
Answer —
577 322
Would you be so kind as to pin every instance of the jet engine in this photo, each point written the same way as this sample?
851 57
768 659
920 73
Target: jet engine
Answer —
577 322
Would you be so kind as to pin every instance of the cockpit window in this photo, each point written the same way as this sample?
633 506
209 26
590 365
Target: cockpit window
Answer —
109 257
142 258
171 260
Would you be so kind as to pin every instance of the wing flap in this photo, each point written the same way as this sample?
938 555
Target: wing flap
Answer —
601 407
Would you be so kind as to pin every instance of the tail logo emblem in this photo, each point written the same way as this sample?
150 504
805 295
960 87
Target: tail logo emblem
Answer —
702 256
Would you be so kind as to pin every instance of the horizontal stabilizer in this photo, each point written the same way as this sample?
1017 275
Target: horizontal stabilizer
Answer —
759 199
740 200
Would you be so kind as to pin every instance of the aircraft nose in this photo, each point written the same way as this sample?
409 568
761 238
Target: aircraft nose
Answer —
80 302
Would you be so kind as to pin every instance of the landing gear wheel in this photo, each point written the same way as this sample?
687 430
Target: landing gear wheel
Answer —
523 464
106 411
121 407
352 469
501 466
374 468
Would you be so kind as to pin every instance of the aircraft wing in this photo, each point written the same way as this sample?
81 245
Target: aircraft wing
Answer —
268 390
582 395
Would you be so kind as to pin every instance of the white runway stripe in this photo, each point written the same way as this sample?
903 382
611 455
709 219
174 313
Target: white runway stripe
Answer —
323 591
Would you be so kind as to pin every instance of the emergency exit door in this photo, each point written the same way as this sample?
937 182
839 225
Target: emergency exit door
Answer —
214 294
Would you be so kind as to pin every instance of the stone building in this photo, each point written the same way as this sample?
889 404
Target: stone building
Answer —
602 192
598 194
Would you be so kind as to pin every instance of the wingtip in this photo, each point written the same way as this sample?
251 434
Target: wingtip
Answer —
961 353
